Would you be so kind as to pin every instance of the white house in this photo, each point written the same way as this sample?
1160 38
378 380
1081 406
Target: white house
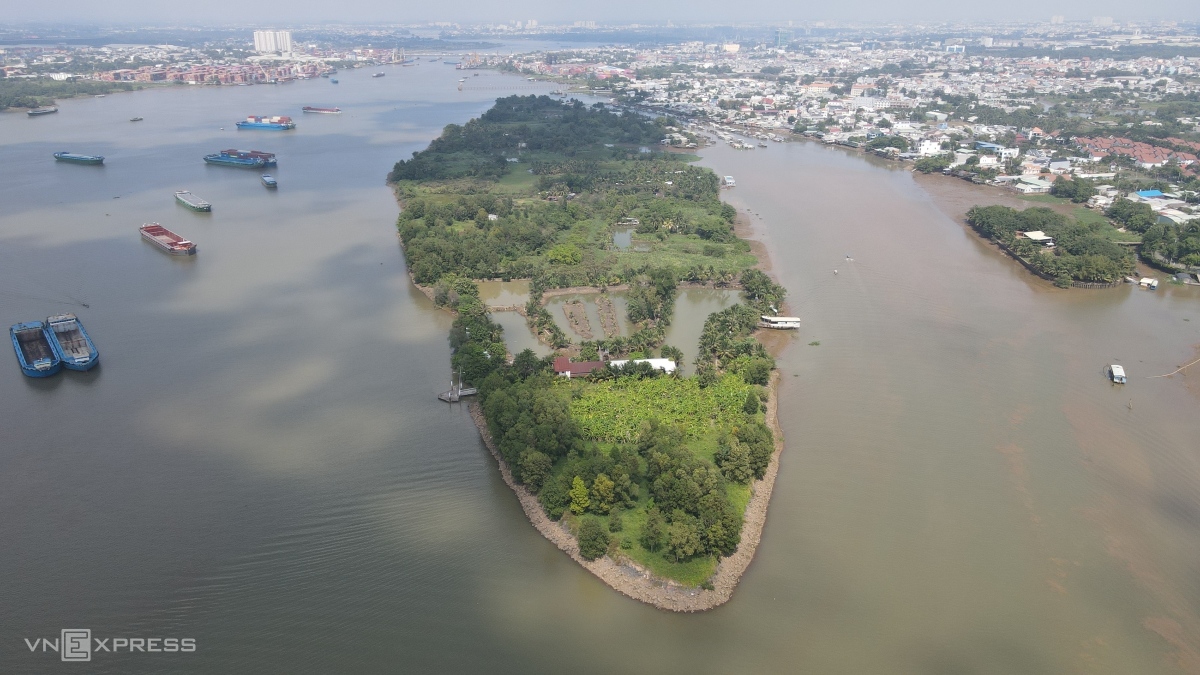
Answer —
665 365
928 148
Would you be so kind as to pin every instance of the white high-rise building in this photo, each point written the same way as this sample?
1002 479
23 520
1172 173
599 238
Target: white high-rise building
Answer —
272 41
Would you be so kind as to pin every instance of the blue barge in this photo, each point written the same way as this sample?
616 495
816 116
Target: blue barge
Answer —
31 342
71 342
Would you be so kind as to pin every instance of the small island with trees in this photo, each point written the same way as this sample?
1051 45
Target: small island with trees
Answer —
656 483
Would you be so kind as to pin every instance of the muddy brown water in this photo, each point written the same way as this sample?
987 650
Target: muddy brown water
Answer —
260 462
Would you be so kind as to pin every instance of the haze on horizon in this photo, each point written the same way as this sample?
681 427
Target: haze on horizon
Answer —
293 12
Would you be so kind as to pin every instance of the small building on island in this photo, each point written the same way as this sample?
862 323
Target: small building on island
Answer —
665 365
566 368
1038 237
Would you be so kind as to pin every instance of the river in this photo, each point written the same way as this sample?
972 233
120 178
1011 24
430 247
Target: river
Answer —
259 463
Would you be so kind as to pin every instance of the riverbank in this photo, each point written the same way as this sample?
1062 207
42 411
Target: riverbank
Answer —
19 95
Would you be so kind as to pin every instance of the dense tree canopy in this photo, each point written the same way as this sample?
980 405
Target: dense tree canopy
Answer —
1082 253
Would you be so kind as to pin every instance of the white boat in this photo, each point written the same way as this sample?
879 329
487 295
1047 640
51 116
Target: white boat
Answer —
1117 373
779 322
728 181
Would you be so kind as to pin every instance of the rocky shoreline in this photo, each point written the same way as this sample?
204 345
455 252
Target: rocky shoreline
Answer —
630 578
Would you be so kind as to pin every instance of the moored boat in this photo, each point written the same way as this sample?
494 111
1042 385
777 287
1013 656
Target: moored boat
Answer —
71 342
276 122
269 181
779 322
1116 373
192 201
34 353
74 158
166 240
37 112
323 111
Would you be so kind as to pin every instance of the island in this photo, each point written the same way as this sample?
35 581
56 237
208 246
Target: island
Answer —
656 483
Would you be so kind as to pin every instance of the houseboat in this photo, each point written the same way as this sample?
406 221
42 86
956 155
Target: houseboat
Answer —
34 353
269 181
1117 374
71 342
779 322
166 240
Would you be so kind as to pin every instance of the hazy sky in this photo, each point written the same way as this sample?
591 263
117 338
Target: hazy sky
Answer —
284 13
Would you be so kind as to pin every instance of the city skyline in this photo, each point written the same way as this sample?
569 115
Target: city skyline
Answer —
621 11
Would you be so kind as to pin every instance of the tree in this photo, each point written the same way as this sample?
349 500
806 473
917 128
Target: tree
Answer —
733 458
555 496
751 405
564 254
653 530
535 468
579 496
673 353
593 540
615 524
602 494
625 489
683 536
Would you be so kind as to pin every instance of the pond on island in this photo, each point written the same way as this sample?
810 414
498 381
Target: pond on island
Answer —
583 316
623 240
504 293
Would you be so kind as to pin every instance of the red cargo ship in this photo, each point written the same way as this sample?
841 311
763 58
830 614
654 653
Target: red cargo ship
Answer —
166 240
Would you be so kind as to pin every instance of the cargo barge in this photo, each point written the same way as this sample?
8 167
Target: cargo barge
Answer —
323 111
34 353
276 122
192 201
269 181
78 159
235 158
71 342
166 240
38 112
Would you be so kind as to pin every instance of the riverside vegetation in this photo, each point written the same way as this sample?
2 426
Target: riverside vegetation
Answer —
36 92
642 466
1083 252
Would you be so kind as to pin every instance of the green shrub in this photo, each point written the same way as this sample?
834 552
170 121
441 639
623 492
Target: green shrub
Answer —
593 540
